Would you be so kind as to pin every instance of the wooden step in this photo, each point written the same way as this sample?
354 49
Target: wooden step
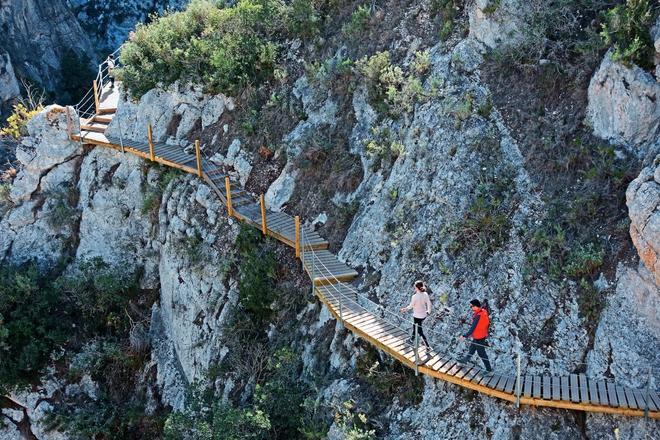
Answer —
107 111
323 267
105 119
98 127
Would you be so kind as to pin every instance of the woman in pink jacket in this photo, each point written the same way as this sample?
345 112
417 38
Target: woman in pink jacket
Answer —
420 304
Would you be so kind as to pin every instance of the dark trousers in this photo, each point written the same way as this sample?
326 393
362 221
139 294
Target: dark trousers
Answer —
479 345
112 81
418 327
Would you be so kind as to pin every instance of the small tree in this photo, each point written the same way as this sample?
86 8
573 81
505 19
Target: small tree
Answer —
626 28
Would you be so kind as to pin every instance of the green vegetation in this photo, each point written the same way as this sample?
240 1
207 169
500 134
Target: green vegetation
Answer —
154 194
257 273
281 409
569 244
391 91
17 122
359 21
384 147
5 200
492 7
64 209
627 29
446 11
390 380
487 222
119 411
42 312
224 48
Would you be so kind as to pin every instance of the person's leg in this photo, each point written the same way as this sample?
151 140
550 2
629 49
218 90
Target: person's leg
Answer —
421 333
471 351
481 351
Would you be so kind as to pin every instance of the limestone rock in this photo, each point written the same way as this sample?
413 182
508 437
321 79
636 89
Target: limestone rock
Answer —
37 34
8 84
172 112
643 200
624 106
281 190
498 23
46 147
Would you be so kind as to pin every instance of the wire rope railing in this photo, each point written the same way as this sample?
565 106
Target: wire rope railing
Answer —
404 326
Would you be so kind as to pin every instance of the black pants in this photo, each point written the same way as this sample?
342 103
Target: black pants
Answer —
479 345
112 81
418 326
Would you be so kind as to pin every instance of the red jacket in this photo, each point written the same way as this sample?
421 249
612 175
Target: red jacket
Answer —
479 328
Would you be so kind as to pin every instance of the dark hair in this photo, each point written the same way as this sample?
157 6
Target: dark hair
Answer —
476 303
420 285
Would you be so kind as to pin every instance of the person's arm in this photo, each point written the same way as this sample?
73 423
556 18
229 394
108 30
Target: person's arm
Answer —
428 304
475 321
410 306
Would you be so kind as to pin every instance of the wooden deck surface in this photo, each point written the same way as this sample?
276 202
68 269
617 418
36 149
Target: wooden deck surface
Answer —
329 276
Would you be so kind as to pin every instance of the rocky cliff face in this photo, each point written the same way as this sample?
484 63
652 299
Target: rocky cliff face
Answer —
35 37
407 225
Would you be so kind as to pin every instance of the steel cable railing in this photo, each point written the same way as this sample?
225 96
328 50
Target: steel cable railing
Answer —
396 320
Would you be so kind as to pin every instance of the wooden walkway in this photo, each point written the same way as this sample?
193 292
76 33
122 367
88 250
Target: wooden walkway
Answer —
330 276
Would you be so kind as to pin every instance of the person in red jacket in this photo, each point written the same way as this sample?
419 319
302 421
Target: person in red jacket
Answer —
479 332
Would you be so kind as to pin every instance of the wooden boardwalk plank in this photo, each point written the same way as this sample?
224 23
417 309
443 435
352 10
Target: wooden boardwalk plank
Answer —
630 397
584 388
565 391
602 393
527 386
640 399
501 383
621 396
547 388
611 394
593 392
654 401
575 388
510 384
556 388
536 389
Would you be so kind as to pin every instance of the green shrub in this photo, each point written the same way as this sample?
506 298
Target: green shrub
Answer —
257 273
224 48
17 122
359 20
42 312
302 18
584 261
390 90
64 209
627 29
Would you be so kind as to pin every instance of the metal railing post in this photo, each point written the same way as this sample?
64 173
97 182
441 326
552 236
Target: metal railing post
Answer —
150 138
648 393
262 207
416 348
230 210
97 104
341 307
518 384
297 235
199 158
121 135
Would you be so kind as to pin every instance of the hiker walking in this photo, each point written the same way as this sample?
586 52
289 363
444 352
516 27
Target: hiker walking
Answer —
420 304
111 67
479 332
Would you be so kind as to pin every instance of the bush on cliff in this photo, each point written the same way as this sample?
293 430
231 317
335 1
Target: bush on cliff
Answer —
626 28
224 48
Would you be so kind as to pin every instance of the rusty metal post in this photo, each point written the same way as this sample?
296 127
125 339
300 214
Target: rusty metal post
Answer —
198 153
264 224
230 210
297 235
150 138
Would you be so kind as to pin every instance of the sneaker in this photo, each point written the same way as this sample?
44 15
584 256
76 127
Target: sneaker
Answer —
462 360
